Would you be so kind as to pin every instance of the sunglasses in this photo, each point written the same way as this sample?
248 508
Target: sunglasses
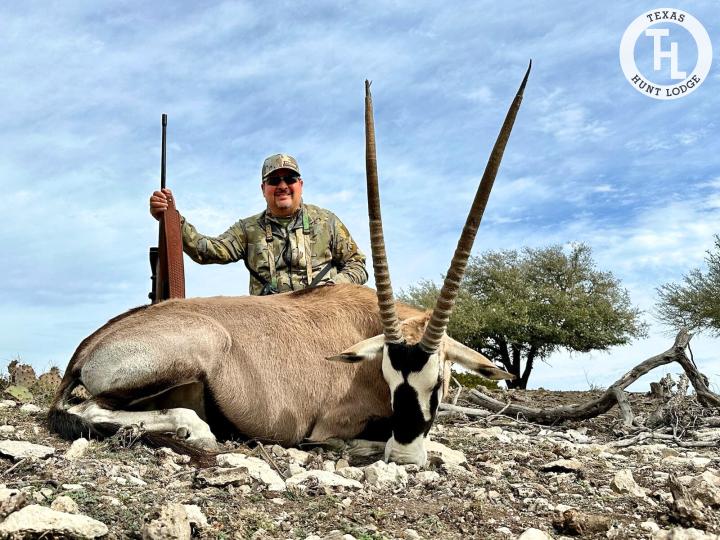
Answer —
275 180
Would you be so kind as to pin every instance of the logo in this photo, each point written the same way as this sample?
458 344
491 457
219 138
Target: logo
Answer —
673 51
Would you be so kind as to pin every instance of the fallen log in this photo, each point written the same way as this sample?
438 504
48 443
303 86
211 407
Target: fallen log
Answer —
612 396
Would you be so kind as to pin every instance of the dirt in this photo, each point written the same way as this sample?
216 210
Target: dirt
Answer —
502 490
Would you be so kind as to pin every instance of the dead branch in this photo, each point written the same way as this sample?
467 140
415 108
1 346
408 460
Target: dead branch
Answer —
613 395
648 436
625 410
449 408
459 390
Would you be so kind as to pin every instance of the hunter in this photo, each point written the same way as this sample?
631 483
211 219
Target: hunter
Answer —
288 246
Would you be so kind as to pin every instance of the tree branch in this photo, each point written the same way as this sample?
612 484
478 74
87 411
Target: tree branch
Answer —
609 398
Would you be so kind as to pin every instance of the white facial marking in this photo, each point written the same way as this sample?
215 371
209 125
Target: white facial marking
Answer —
423 382
393 377
412 453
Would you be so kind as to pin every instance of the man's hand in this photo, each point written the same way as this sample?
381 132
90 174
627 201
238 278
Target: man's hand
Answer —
159 202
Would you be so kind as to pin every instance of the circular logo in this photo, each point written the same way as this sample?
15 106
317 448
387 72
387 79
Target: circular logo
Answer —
664 38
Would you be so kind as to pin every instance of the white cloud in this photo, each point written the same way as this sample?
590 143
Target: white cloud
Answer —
84 84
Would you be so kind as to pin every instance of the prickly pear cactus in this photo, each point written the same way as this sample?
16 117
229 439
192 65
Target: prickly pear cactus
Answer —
47 384
19 393
21 374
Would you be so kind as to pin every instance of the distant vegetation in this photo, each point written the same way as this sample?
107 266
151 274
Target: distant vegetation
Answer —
694 303
519 307
472 380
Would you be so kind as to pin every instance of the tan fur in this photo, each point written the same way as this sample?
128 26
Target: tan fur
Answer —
263 359
413 329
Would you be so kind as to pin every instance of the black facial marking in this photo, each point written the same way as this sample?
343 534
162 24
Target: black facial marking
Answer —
407 358
407 419
408 422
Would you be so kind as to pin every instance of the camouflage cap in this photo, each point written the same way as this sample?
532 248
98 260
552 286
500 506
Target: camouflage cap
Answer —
279 161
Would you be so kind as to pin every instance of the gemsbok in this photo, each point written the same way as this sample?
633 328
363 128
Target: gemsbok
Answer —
259 366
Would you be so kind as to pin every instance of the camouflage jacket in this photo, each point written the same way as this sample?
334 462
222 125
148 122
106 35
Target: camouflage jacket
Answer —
278 253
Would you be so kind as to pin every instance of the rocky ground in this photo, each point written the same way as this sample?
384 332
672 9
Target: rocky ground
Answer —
490 477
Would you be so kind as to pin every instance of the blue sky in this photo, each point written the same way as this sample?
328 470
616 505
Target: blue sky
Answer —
590 160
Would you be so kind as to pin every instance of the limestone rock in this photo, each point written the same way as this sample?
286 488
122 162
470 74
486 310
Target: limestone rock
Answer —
171 523
427 477
11 500
624 483
684 534
381 474
706 488
534 534
563 465
30 408
352 473
222 476
195 516
294 468
256 468
575 523
494 432
324 478
38 521
18 450
338 535
63 503
696 462
299 456
77 448
442 455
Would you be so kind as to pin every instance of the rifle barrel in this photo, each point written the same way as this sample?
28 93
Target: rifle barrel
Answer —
164 151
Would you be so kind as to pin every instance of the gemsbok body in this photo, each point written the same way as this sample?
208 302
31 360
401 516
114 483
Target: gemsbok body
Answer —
333 362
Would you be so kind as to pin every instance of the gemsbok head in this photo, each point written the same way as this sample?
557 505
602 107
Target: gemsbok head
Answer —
416 353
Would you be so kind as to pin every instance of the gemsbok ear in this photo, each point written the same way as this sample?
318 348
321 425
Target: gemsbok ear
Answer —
474 361
368 349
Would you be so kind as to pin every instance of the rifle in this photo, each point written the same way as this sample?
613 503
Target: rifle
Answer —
166 260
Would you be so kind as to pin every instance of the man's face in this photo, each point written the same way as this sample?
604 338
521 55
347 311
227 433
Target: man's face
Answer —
283 199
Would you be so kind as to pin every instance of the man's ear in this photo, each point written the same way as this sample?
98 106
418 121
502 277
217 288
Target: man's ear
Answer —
360 352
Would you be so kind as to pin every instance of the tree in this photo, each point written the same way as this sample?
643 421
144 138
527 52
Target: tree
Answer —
694 303
519 307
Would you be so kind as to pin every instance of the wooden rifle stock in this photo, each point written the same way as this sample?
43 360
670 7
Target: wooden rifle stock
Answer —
166 260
